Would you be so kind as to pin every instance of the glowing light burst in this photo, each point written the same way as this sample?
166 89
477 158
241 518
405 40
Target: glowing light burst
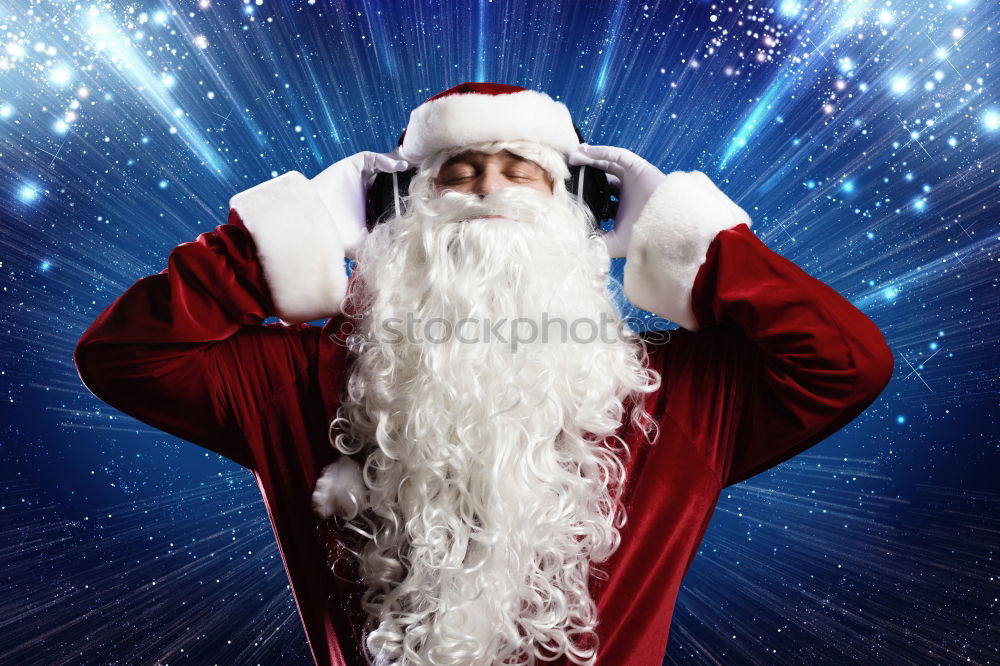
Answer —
27 193
609 47
481 42
789 8
991 120
808 63
109 40
761 110
61 75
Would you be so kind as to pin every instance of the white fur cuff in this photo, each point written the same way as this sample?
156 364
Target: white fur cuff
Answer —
340 490
669 242
298 246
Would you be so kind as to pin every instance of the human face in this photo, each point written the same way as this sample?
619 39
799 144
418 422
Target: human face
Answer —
481 173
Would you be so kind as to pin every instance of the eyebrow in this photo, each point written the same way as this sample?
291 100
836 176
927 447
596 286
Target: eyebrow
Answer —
465 156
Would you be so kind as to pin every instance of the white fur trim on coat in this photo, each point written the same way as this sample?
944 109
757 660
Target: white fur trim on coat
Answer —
670 240
465 118
340 490
298 245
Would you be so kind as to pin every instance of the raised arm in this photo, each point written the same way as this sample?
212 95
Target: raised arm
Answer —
772 360
775 360
184 350
806 362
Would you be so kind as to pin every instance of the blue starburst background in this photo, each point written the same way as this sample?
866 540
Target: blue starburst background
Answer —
862 136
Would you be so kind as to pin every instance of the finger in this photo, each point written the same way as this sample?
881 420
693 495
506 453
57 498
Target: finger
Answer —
623 159
369 162
390 163
610 153
578 157
597 151
628 160
603 165
373 163
613 168
396 155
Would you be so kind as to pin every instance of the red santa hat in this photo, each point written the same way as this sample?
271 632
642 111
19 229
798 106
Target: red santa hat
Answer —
472 114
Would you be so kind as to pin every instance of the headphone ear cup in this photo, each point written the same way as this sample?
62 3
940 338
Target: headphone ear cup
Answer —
574 178
375 199
596 192
598 188
380 203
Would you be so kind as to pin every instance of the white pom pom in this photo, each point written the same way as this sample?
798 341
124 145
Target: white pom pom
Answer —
340 490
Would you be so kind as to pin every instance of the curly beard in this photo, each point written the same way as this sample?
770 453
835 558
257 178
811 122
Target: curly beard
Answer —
493 472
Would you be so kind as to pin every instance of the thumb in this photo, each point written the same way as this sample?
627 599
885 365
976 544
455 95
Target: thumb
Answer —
376 163
389 163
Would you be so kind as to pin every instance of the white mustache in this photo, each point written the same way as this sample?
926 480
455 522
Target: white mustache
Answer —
509 202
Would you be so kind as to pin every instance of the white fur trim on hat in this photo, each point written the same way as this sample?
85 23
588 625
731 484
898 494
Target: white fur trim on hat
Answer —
298 246
670 240
466 118
340 490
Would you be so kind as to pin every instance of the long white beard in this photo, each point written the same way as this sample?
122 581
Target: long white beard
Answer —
493 473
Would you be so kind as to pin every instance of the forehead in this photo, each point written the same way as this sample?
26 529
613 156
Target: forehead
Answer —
476 157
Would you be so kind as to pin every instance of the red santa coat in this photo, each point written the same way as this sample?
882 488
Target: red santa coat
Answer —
773 362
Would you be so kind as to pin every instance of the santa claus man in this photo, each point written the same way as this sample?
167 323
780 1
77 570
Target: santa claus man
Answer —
474 461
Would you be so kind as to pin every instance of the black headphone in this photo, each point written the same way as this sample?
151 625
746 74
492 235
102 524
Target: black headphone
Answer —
382 200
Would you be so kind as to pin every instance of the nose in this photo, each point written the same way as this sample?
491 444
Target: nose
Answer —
490 180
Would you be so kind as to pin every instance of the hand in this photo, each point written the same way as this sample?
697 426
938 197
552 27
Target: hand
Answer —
343 186
635 180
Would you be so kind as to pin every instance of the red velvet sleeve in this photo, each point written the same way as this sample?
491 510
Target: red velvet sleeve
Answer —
174 348
804 360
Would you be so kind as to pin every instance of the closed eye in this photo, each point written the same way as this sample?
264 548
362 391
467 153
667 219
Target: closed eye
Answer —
451 178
